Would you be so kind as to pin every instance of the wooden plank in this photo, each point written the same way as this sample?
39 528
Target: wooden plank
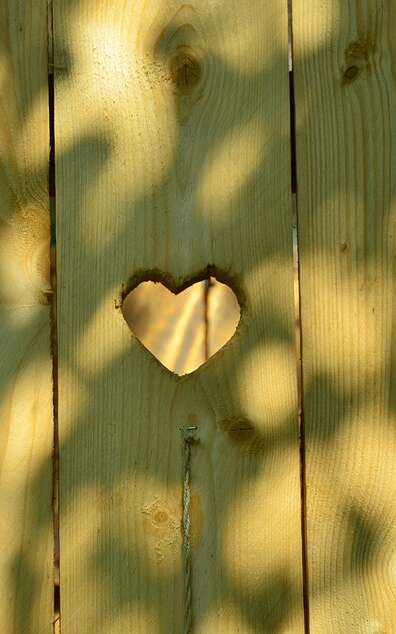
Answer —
344 67
173 143
26 558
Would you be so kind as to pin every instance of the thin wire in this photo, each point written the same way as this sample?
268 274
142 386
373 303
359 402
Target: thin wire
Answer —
188 440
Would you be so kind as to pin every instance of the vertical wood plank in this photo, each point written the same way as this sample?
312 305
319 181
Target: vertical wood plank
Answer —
26 575
173 141
344 67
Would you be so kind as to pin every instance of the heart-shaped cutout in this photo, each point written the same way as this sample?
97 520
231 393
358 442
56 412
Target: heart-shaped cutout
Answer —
182 330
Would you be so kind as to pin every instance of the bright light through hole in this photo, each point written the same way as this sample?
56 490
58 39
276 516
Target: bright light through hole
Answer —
182 331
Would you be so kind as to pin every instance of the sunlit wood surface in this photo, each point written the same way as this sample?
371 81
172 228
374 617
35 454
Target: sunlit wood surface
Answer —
345 60
173 162
26 558
172 125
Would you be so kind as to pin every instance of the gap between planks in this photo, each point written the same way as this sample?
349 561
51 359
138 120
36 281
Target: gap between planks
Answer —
298 329
53 322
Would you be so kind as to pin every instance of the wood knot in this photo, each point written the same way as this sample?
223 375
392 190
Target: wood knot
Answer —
351 73
242 432
162 528
186 71
160 517
357 58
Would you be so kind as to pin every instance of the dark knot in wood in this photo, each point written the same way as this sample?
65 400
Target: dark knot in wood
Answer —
351 73
186 71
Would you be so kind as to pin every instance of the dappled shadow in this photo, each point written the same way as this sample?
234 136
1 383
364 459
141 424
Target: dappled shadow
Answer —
120 412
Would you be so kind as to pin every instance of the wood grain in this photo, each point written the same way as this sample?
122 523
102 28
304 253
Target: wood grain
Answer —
344 67
173 141
26 560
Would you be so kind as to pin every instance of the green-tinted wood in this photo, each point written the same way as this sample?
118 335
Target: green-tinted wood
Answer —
344 67
26 557
173 141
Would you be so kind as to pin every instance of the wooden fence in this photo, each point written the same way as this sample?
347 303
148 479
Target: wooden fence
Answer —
183 137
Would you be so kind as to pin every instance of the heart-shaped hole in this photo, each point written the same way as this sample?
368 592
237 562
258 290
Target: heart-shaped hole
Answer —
185 329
